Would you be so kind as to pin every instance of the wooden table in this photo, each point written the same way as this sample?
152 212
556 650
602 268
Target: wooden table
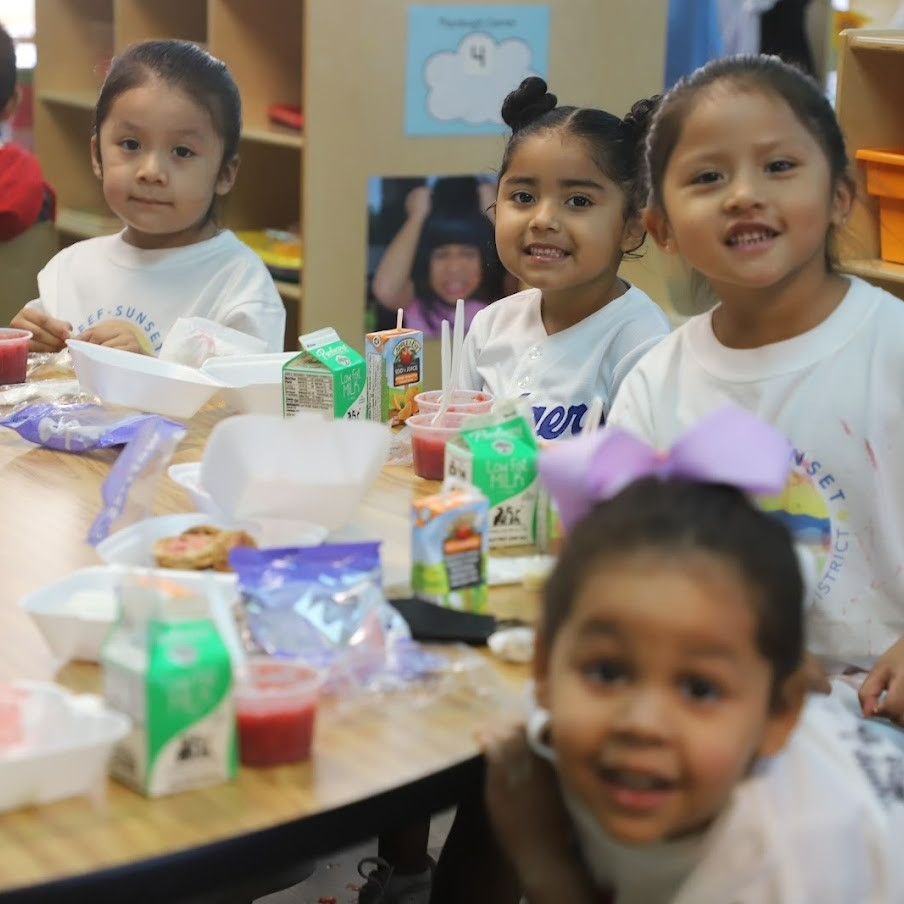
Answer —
373 768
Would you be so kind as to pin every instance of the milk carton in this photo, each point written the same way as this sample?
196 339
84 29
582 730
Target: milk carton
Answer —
497 453
327 376
167 668
449 548
395 373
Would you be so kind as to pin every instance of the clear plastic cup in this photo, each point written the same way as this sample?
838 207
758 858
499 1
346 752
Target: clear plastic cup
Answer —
13 355
275 704
469 401
428 441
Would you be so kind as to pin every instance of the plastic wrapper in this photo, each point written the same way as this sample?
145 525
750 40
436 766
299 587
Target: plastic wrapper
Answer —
128 490
80 426
50 366
192 340
324 605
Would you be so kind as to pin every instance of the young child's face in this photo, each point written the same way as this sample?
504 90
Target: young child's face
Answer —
658 695
161 165
455 271
560 222
747 192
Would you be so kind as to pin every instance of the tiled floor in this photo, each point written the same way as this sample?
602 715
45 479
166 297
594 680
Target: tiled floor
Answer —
337 876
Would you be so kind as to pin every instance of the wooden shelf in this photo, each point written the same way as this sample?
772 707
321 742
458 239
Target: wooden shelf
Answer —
874 269
82 100
288 289
891 42
274 135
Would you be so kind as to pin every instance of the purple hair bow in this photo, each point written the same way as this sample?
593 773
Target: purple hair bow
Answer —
730 446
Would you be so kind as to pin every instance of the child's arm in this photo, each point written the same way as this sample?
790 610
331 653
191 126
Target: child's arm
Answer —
531 823
392 285
48 333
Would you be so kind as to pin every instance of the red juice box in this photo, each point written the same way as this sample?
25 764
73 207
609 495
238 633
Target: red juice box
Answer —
395 374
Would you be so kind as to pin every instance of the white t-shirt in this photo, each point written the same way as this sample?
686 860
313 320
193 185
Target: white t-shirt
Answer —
220 279
508 353
837 393
822 822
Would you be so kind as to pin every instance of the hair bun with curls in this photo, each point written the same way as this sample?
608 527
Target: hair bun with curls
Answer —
529 101
637 120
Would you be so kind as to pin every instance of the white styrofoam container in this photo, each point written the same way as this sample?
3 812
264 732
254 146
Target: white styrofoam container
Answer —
71 635
306 467
253 383
66 748
141 381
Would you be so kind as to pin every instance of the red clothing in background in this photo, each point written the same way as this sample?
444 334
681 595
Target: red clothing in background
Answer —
23 192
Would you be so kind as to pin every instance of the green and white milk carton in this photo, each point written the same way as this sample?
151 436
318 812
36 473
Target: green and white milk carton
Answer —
497 453
167 668
327 376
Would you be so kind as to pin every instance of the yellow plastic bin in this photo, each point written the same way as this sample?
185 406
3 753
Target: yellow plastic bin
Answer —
885 178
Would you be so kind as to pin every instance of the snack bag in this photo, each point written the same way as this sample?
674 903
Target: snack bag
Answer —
395 374
449 541
166 667
327 376
497 453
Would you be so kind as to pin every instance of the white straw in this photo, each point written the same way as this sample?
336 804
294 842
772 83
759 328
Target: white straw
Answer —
594 413
445 366
398 323
458 338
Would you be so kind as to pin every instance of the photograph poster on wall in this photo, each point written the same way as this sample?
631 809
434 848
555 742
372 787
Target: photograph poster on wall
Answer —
430 242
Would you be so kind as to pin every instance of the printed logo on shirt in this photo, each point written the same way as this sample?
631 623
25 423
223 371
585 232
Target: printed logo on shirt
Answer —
149 336
881 762
813 507
553 421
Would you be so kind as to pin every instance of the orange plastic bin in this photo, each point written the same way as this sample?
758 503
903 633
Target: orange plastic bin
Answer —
885 178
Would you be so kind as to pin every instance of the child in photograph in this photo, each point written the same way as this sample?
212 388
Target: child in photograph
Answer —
443 251
165 146
567 213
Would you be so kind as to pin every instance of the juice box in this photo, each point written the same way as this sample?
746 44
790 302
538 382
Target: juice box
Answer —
497 453
327 375
167 668
395 373
449 542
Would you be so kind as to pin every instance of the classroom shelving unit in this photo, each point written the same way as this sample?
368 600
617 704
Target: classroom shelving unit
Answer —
870 94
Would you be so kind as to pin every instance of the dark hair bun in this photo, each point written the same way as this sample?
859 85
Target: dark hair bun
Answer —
637 120
527 102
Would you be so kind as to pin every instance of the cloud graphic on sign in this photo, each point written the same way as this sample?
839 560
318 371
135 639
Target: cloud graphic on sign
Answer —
456 92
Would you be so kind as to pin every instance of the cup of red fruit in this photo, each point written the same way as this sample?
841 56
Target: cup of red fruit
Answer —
13 355
275 704
469 401
428 441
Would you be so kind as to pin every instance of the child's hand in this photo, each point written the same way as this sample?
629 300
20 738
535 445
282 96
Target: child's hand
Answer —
48 333
418 202
113 334
886 675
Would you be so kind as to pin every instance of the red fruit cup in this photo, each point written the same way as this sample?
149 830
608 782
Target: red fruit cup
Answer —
13 355
275 703
469 401
428 441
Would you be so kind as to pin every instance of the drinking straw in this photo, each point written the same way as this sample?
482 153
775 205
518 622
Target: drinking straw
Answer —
398 322
445 366
458 338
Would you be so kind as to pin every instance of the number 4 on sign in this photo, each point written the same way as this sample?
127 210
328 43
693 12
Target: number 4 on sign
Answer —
477 51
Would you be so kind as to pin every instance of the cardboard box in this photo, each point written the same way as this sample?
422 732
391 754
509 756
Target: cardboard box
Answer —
497 453
395 374
166 667
449 548
327 376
